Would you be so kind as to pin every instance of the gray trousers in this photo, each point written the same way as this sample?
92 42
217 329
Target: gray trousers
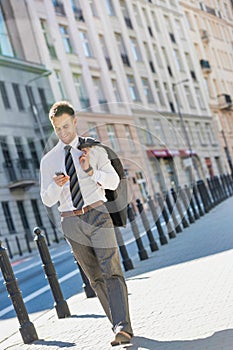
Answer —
92 239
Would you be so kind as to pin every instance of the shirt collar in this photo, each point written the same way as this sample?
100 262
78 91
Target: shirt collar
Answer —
73 144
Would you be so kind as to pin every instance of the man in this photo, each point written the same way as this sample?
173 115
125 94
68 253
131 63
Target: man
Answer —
77 181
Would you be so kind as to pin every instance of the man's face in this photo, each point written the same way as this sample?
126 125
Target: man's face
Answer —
65 127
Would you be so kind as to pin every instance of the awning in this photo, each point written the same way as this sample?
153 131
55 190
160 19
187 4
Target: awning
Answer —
169 153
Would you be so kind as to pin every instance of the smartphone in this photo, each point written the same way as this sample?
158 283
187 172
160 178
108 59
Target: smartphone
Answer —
59 173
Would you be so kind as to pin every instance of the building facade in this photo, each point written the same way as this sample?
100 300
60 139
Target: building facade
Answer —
210 26
133 74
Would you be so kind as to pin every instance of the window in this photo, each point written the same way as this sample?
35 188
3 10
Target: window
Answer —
146 135
5 98
116 90
199 133
149 57
157 56
65 38
110 7
209 133
128 136
59 83
100 93
81 91
93 8
59 7
122 49
169 97
48 38
36 212
113 137
5 44
137 15
147 90
30 95
18 96
179 29
92 129
105 51
178 60
23 215
199 98
189 96
133 88
159 132
85 43
43 99
126 15
8 217
135 49
23 162
78 13
34 155
159 93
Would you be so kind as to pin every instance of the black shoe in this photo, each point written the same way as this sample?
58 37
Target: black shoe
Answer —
121 337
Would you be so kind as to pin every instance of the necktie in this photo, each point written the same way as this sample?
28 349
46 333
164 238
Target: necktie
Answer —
74 184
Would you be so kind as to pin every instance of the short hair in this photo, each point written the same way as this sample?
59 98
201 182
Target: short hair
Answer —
59 108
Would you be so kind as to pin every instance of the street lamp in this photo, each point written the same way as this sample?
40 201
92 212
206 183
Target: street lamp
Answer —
34 106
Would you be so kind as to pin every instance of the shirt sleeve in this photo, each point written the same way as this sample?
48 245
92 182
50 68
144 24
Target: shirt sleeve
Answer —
104 174
50 191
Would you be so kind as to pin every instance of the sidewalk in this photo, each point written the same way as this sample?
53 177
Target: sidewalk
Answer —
181 298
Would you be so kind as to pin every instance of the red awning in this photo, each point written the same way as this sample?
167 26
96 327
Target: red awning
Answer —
168 153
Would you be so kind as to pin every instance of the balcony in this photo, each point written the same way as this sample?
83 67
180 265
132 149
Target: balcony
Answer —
225 101
20 173
205 65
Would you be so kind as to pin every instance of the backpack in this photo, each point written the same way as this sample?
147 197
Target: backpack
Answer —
117 200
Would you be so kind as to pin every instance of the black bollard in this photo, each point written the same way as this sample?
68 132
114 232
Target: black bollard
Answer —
146 224
60 304
18 245
172 212
204 199
141 250
207 195
27 328
192 204
162 237
213 191
186 206
197 200
8 248
126 261
89 291
179 208
222 179
170 231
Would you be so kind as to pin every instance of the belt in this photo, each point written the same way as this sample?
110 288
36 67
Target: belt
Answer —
81 211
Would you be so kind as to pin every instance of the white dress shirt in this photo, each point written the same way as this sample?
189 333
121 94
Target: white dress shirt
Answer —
92 187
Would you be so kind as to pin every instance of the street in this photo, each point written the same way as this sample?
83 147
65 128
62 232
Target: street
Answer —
180 298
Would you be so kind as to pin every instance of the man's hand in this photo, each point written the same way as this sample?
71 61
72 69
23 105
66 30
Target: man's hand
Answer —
85 161
61 180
